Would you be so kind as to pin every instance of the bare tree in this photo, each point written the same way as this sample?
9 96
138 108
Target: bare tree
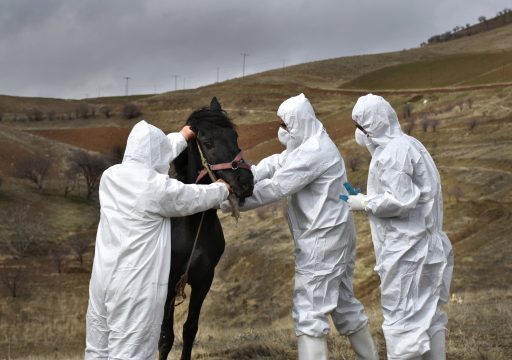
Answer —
51 115
434 123
69 180
425 123
35 115
91 166
410 125
407 110
106 111
58 254
34 168
29 231
131 111
80 244
84 111
12 277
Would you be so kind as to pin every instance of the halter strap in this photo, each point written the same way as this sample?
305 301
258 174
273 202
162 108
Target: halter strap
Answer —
237 163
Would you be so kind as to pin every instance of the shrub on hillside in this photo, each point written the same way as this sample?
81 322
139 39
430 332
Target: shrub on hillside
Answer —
434 123
409 126
90 166
80 244
34 168
12 277
51 115
131 111
35 115
407 110
83 111
425 123
29 232
106 111
58 254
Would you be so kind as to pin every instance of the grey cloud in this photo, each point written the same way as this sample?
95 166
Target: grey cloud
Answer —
72 48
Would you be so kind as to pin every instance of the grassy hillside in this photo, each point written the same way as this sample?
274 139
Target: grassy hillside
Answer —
247 312
449 70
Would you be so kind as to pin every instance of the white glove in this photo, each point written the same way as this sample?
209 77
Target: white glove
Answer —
225 206
356 202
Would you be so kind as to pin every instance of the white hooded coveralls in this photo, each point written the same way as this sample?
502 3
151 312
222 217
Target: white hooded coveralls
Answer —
131 266
405 206
311 173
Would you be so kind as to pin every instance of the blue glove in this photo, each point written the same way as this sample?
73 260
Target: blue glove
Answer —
351 191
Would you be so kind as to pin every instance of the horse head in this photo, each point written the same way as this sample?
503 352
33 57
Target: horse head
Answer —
217 139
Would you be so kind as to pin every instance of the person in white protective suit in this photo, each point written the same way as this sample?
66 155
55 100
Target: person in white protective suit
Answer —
131 266
310 173
413 255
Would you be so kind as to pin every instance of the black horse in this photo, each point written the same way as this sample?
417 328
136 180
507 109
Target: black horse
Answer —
217 137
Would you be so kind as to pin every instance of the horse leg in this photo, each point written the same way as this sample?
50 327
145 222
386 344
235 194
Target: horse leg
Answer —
167 329
191 326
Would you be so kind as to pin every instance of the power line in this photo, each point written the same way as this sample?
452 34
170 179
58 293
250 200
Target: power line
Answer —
127 78
175 82
243 65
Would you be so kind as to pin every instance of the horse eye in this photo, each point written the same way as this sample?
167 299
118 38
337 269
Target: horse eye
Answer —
208 143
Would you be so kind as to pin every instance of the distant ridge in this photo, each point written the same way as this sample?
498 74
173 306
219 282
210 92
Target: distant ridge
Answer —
503 18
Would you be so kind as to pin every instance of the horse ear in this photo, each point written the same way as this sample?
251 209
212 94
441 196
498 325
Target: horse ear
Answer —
215 105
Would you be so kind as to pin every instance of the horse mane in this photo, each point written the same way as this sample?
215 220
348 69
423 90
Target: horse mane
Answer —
205 119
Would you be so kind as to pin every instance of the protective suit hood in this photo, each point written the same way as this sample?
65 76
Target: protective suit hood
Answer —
378 118
148 146
301 122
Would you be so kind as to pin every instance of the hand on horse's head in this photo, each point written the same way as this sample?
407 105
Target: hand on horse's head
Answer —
188 133
225 183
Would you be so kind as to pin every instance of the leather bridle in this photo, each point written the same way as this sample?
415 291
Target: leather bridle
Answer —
237 163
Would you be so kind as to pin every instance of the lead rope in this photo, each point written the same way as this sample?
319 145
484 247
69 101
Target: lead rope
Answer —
182 283
180 286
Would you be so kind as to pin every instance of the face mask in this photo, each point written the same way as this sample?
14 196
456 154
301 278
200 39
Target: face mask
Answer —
361 138
283 136
364 141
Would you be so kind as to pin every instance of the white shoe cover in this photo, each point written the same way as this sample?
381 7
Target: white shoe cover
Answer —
312 348
362 344
437 347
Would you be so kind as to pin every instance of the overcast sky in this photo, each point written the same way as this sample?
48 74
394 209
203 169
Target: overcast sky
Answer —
86 48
